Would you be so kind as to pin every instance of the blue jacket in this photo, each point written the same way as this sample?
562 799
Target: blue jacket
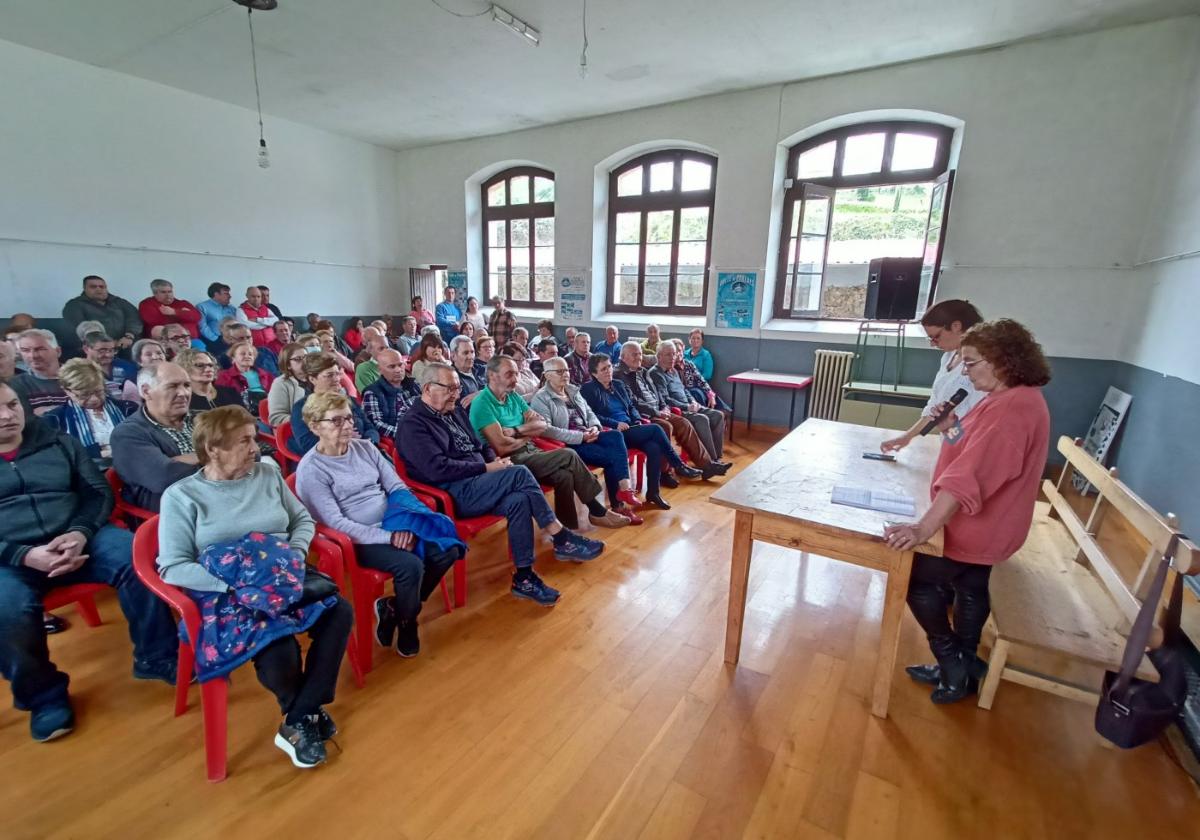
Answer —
425 444
70 419
447 316
612 350
212 314
601 399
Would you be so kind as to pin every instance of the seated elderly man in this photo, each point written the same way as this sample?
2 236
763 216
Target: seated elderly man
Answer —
439 447
611 345
651 405
40 388
99 348
162 308
462 356
367 373
577 360
708 422
502 418
55 505
153 448
388 399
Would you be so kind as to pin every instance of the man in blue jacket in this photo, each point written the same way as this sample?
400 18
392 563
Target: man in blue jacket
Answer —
447 314
55 506
439 447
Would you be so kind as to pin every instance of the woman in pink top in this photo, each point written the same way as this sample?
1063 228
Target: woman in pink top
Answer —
983 490
422 315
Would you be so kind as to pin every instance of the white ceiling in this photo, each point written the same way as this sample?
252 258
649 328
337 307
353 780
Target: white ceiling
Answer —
403 73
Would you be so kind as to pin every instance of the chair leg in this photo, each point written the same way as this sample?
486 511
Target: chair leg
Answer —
364 617
87 609
460 582
183 676
446 595
214 698
356 662
987 691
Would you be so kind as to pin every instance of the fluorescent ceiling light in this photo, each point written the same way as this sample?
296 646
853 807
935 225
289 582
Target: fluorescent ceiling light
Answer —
528 34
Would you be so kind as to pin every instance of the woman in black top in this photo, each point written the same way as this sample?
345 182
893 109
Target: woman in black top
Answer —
202 370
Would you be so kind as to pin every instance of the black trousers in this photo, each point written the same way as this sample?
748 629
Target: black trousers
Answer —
413 578
939 584
301 687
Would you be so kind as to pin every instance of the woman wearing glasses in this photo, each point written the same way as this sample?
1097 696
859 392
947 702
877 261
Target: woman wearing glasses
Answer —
202 371
90 415
325 377
945 324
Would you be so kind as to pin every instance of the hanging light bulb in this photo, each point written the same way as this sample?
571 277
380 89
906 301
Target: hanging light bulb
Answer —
264 157
583 65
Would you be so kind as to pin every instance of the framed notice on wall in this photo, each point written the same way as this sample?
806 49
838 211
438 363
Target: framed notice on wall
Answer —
571 297
1102 431
458 279
735 299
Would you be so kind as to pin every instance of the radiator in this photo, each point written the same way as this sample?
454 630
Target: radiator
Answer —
830 373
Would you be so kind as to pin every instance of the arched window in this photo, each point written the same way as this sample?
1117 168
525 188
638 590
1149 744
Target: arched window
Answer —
660 212
855 196
518 236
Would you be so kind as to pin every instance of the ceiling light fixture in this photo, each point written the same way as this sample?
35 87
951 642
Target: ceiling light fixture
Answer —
264 157
519 27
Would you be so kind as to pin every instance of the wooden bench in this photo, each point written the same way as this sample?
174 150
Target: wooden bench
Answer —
1061 595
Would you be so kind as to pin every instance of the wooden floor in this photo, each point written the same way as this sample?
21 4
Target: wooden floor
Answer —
611 716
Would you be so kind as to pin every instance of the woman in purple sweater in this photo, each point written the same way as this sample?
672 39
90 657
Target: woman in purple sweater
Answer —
346 483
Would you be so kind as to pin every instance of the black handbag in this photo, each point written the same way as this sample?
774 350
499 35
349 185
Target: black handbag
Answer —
1134 711
317 587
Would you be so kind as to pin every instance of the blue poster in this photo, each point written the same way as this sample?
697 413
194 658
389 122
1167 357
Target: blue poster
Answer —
458 279
735 299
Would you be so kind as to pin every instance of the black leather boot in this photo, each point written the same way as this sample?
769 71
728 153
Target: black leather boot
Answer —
955 683
932 674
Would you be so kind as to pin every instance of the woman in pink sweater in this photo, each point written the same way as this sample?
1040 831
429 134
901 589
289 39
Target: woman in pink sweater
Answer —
983 490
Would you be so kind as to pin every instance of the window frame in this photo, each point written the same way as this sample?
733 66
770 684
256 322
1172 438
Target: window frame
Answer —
508 212
885 177
676 200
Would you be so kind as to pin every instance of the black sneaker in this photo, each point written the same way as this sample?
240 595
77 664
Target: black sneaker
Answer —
326 728
163 670
302 742
407 643
385 621
533 588
52 721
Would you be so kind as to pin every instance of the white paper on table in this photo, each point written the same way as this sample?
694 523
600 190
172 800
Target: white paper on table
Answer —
874 499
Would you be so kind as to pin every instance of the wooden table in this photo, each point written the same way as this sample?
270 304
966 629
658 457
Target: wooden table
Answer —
783 499
794 382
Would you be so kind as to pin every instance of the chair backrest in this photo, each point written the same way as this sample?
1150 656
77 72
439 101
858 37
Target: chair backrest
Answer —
120 506
434 497
264 412
283 433
145 566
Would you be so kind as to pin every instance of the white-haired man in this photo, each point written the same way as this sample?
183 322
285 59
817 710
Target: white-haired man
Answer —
39 389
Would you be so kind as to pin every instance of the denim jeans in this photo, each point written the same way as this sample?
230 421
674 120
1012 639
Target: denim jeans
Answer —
512 493
24 656
652 440
610 454
413 578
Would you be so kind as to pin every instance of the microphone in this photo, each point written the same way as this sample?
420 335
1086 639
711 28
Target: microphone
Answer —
959 396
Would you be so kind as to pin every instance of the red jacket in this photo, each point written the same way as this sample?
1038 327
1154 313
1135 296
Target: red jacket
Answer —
185 314
353 338
231 377
264 337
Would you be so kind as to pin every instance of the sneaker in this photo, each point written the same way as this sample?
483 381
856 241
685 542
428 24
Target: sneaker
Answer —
533 588
407 643
163 670
302 742
385 621
577 548
52 721
53 624
326 728
610 519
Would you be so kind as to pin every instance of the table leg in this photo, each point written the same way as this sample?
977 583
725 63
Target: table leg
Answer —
792 412
733 413
889 631
739 578
750 412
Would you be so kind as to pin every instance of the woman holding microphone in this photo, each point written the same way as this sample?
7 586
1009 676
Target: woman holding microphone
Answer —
984 487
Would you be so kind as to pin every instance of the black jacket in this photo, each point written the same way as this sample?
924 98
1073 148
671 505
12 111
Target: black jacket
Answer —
424 443
51 488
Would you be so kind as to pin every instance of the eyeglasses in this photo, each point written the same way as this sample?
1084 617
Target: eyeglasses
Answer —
556 370
338 422
968 365
935 337
455 387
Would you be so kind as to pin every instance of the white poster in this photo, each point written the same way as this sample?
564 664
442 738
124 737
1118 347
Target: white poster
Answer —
1102 431
571 297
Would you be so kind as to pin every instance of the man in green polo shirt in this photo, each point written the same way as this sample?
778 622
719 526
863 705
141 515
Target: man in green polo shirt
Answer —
506 422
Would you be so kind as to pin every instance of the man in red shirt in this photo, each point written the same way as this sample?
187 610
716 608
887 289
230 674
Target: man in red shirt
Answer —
162 308
256 315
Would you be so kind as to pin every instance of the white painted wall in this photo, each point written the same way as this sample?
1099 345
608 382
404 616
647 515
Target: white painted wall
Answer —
1050 201
92 158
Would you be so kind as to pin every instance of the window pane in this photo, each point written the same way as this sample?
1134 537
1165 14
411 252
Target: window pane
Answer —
818 162
658 259
689 289
544 231
520 259
812 253
913 151
691 255
794 227
787 291
520 233
629 227
497 260
625 287
543 189
697 175
693 224
657 289
662 176
519 190
864 154
497 233
660 226
520 287
626 259
543 258
630 183
495 285
543 288
495 195
816 215
807 293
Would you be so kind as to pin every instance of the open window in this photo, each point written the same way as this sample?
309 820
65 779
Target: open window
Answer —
861 196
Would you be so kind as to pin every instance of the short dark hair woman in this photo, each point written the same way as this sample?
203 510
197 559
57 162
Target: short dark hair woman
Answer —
984 487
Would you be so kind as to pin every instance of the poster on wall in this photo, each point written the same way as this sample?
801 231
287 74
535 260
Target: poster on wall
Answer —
458 279
1102 431
735 299
571 297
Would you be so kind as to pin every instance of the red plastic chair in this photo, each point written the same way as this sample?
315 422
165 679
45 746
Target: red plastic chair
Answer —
81 595
367 584
214 693
283 433
124 512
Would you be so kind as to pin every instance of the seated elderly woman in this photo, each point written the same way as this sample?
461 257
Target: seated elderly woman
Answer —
329 344
90 415
485 348
610 399
233 504
984 487
349 486
251 383
291 386
696 383
201 369
326 378
144 352
574 423
527 381
430 349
